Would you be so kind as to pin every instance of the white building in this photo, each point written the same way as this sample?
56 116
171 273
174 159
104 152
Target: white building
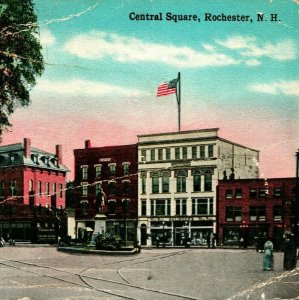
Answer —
178 174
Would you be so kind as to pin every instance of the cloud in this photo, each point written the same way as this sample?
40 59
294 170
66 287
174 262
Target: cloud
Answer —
87 88
248 46
99 45
288 88
47 38
252 62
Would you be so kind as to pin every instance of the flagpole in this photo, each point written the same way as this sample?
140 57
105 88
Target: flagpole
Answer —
178 96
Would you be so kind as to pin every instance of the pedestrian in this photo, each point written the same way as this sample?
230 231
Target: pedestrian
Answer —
213 241
290 252
2 242
157 241
268 261
209 240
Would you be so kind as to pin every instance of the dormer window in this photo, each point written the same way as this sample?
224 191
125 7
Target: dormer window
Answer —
12 159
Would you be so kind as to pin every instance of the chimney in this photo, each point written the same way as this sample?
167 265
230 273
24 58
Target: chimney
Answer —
27 149
87 144
59 154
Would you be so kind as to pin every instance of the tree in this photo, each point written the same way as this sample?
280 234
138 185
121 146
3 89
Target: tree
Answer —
20 56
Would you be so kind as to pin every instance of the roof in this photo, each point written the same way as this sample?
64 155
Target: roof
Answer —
13 155
178 132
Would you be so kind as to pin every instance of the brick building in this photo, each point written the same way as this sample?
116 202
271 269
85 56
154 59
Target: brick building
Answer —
251 208
114 170
30 177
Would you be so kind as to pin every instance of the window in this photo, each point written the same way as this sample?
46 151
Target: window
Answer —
30 185
196 182
153 154
54 188
84 189
11 158
160 154
84 170
239 193
277 212
194 152
252 193
277 193
60 190
143 207
112 169
143 185
47 188
177 153
126 169
160 207
1 188
126 185
257 213
208 182
98 188
155 184
202 151
39 187
233 213
98 170
185 152
143 155
229 194
263 193
111 188
181 182
181 207
165 183
210 150
167 153
13 187
202 206
111 206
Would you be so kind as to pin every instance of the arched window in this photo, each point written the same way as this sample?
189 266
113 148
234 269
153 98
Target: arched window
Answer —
196 181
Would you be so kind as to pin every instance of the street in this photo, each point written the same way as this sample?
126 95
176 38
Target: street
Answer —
44 273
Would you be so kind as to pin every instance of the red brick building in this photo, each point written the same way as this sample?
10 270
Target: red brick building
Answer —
251 208
30 177
113 169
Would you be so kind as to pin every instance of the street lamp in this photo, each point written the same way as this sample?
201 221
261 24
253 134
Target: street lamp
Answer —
125 211
244 227
163 236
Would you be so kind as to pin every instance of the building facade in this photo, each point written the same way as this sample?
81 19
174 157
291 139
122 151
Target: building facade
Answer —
252 208
112 169
178 175
34 178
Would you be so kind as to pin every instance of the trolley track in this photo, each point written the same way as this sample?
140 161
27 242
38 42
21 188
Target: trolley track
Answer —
85 279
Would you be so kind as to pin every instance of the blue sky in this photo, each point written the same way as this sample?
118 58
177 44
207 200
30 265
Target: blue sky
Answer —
102 70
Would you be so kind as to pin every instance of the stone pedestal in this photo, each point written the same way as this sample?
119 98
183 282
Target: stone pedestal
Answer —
99 225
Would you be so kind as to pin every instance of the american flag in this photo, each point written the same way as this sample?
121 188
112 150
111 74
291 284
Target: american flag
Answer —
167 88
